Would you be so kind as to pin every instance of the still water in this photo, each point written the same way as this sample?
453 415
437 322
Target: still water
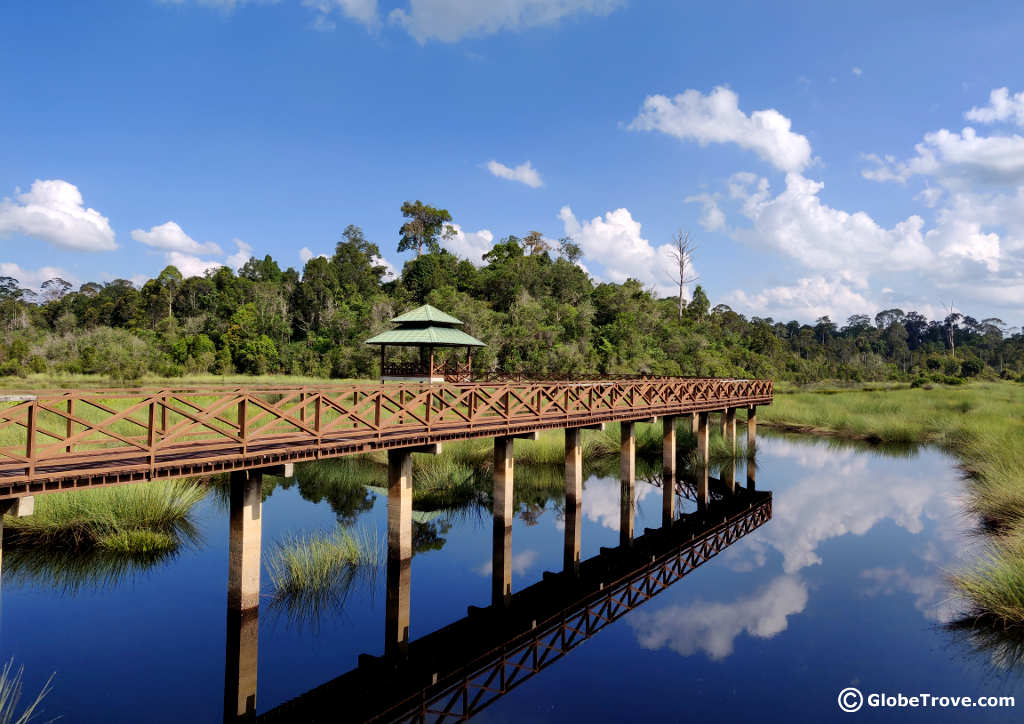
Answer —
845 585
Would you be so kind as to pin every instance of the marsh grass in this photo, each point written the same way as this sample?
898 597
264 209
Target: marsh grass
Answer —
313 572
983 426
146 519
11 684
71 571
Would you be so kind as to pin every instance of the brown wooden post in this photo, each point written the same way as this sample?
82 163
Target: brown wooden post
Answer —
302 405
30 439
316 414
150 435
241 424
163 415
71 426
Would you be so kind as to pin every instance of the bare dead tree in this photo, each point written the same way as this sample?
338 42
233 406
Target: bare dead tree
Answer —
681 272
952 319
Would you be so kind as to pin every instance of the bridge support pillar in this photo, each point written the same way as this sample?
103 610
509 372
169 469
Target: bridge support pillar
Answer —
730 429
399 565
751 474
503 479
627 460
573 466
246 526
751 430
668 470
240 665
703 496
694 423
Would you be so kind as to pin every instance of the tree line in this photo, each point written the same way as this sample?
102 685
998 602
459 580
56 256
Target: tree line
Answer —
528 299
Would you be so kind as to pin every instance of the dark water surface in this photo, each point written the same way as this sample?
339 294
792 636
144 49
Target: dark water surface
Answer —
843 586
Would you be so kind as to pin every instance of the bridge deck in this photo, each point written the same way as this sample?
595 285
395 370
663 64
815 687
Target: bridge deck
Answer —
64 439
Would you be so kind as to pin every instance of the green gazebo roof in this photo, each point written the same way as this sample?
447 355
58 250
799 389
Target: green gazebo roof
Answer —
427 314
426 326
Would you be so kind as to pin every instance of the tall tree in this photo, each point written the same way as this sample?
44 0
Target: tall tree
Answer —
358 262
535 244
426 225
681 272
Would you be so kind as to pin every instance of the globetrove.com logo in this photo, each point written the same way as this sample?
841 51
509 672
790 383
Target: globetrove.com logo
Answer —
851 699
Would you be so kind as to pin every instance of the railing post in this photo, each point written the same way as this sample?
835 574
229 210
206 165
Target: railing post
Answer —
30 441
151 436
376 413
241 424
302 405
70 426
316 415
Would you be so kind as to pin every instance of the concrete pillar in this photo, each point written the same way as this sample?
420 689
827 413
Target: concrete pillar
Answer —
730 429
694 422
703 496
729 475
501 565
573 466
399 565
503 479
668 470
722 424
246 526
627 461
751 430
17 507
751 475
573 524
241 665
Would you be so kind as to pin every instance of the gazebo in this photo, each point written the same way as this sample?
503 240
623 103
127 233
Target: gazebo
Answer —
425 327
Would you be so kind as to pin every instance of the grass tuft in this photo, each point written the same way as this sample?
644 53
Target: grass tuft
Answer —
10 695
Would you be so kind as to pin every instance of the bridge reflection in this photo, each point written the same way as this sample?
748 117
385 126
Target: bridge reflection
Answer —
456 671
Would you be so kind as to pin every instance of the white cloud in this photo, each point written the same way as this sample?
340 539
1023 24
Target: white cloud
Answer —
32 278
716 118
189 265
929 196
616 242
797 223
390 273
809 298
712 218
1001 107
53 211
956 159
171 237
305 254
931 593
857 71
602 500
362 11
451 20
713 627
524 173
472 245
241 255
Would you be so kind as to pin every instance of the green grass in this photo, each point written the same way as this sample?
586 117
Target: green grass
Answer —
983 426
314 571
10 695
143 519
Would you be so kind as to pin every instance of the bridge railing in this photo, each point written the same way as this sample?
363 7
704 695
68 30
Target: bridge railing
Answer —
63 434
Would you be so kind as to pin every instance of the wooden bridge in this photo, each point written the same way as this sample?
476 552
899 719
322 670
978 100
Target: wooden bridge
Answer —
53 440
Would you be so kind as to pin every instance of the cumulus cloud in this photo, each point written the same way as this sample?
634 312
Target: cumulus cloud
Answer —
602 501
809 298
469 245
714 627
857 71
524 173
361 11
190 265
33 278
171 237
797 223
616 241
243 252
390 272
53 210
305 254
717 118
712 218
931 593
1001 107
451 20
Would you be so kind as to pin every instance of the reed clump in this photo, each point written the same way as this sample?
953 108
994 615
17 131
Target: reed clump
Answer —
11 685
142 519
310 572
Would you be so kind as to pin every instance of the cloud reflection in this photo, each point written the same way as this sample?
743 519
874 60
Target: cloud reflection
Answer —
713 627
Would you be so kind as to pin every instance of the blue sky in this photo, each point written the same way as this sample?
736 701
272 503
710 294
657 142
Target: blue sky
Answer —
827 157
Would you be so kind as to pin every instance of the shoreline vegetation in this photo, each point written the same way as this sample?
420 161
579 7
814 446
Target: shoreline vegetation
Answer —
982 426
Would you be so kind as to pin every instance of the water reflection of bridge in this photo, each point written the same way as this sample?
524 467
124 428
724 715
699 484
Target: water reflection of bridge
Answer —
458 670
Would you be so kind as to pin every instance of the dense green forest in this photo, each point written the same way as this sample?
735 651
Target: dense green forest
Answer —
536 309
